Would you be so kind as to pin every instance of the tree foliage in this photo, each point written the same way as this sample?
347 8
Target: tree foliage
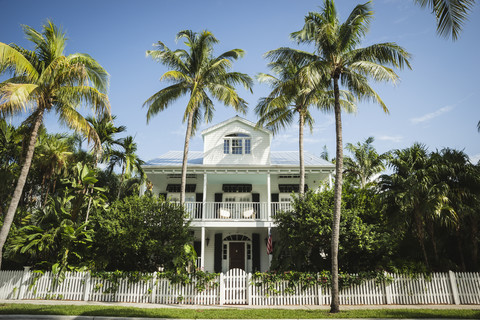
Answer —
141 234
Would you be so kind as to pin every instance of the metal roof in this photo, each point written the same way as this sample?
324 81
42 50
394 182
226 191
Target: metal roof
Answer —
285 158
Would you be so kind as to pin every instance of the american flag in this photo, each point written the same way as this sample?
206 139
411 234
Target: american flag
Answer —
269 244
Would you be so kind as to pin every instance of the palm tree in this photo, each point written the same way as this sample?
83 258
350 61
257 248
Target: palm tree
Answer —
54 152
450 14
290 96
106 130
128 160
416 191
197 73
339 60
44 80
365 162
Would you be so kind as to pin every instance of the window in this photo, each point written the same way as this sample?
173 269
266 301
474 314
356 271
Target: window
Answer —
236 146
226 146
247 146
237 143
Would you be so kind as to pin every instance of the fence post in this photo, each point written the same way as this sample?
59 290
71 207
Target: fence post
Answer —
26 275
453 284
319 290
87 287
249 289
388 289
154 288
222 289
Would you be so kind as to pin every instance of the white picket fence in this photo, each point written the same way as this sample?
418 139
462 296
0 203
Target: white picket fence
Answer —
236 287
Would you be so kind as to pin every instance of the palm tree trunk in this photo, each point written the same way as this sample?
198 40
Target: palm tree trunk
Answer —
185 157
474 238
301 187
121 181
421 235
335 304
460 250
7 222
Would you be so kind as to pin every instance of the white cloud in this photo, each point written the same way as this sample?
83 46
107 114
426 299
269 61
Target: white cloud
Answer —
431 115
396 138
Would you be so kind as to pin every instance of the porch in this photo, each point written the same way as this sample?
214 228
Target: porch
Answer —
232 211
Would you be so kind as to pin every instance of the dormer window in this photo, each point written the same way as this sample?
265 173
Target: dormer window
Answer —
237 143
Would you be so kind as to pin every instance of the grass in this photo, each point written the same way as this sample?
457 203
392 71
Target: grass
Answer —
271 313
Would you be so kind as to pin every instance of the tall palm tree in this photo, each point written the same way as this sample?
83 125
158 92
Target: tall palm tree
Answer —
197 73
450 14
289 97
127 159
338 59
44 80
365 162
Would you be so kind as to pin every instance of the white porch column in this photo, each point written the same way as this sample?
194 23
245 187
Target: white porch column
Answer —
202 254
330 180
143 188
269 200
204 205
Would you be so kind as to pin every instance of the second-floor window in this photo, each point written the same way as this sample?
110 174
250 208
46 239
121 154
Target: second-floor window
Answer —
237 143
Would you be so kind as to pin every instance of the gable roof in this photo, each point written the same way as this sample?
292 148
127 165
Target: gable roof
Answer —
236 118
277 158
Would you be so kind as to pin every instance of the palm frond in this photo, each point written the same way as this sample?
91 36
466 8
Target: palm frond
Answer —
11 59
164 98
98 76
450 15
18 97
74 120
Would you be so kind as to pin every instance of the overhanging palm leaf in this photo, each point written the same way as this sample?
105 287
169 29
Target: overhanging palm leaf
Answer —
450 15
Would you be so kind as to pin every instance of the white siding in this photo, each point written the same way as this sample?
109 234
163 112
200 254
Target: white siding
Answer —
213 146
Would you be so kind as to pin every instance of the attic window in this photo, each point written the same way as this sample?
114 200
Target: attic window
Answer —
237 143
288 188
176 187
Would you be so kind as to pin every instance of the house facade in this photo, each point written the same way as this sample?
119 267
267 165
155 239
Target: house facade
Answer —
235 186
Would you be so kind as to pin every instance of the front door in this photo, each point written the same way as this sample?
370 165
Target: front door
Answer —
237 255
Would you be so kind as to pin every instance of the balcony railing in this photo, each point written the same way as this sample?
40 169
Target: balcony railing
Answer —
223 211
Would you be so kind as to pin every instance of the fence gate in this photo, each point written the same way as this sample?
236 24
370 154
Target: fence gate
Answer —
236 287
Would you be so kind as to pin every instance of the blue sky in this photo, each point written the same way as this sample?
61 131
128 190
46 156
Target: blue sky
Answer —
436 103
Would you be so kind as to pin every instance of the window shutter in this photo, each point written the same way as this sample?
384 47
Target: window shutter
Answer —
218 197
256 205
275 198
217 259
197 246
198 206
256 252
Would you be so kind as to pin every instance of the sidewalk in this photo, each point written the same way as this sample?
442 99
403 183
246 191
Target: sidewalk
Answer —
190 306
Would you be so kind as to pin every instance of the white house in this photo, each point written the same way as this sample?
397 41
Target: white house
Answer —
234 189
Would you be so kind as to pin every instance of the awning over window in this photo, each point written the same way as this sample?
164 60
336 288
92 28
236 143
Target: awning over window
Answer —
176 188
288 188
237 188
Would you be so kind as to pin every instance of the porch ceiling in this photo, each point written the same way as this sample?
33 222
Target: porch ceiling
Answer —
247 178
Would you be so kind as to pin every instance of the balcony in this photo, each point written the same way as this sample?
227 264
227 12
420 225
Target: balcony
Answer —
228 211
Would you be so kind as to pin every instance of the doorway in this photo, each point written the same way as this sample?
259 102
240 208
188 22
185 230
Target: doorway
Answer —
237 255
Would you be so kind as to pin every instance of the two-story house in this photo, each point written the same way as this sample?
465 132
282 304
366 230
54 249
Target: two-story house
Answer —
234 189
